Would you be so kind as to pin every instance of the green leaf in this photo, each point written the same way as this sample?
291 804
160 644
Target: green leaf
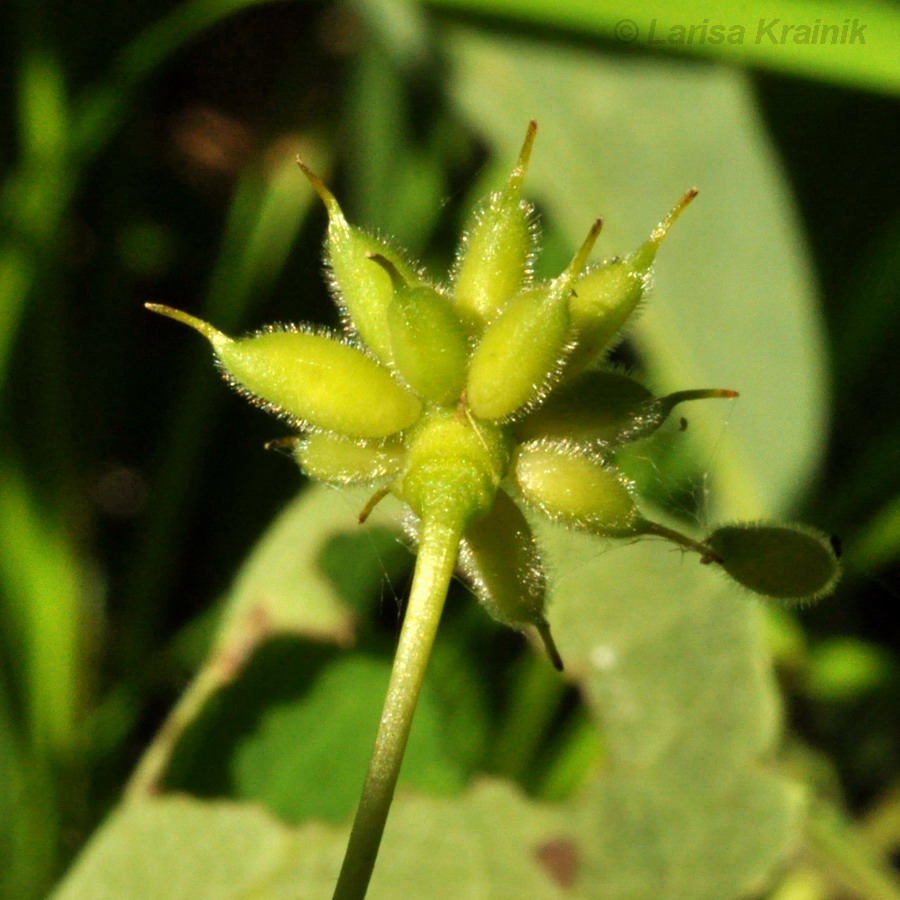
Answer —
181 848
283 581
299 741
864 56
733 305
308 759
42 602
29 818
492 843
396 163
673 664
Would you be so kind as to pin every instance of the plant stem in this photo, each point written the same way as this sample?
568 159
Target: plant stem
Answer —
438 550
676 537
238 641
847 858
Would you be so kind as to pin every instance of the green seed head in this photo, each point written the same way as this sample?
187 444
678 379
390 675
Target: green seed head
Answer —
517 356
599 407
500 557
443 394
603 301
603 408
793 563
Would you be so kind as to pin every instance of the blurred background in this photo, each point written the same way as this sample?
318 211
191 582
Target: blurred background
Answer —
147 155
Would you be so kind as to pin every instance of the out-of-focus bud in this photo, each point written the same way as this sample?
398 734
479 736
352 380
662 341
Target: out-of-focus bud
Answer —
605 408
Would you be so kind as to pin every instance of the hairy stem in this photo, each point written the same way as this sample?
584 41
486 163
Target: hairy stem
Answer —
676 537
434 568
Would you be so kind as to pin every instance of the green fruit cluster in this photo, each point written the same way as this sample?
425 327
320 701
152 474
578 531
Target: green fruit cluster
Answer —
472 398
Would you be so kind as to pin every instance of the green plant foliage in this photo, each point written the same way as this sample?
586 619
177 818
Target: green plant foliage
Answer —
203 850
685 747
283 581
286 734
489 842
867 60
844 669
345 703
152 160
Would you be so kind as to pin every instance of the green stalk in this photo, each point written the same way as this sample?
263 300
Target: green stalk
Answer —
676 537
436 560
847 858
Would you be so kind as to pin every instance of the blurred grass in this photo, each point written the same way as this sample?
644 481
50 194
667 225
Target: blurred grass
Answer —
122 489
